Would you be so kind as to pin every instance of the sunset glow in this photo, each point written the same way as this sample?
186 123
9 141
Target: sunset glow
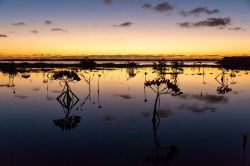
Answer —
124 27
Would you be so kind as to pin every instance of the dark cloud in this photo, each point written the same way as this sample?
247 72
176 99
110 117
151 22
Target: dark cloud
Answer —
199 109
163 113
209 99
34 31
125 24
199 10
236 29
124 96
21 97
237 92
58 30
18 24
56 91
147 6
48 22
108 1
162 7
214 99
108 118
210 22
2 35
36 89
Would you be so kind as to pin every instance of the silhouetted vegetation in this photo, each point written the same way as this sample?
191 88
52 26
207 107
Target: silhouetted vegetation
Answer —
88 63
242 62
168 87
66 75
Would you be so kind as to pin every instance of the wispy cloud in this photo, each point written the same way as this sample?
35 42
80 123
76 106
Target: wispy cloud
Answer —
58 30
18 24
125 24
210 22
199 10
161 7
3 36
34 31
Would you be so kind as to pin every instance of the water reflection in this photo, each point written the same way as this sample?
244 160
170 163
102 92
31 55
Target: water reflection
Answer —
98 91
145 92
222 79
194 117
244 149
131 72
161 87
67 99
87 78
11 76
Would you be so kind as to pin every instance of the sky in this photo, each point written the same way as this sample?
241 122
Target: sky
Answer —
124 27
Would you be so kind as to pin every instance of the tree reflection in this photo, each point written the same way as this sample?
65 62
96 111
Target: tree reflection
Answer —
145 92
11 72
161 86
10 83
160 68
47 80
176 70
222 79
232 76
98 92
131 69
87 78
67 99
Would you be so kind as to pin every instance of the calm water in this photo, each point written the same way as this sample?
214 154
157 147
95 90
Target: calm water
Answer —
110 117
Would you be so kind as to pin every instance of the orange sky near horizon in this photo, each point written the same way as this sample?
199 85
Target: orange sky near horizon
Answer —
132 42
112 30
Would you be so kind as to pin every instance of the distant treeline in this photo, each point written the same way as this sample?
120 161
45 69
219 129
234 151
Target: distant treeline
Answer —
242 62
227 63
101 59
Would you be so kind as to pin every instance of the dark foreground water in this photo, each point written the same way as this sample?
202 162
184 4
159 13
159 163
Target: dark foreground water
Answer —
110 117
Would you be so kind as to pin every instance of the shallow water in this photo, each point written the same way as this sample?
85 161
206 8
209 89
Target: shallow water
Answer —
107 118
